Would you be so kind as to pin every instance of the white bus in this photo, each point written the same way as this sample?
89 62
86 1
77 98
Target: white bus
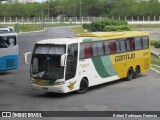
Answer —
73 64
8 51
6 28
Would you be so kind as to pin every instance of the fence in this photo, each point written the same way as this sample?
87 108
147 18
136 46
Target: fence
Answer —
77 20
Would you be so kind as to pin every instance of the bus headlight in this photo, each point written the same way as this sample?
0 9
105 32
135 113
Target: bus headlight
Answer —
59 83
32 80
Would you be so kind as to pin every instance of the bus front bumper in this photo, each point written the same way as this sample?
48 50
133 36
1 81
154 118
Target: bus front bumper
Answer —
55 88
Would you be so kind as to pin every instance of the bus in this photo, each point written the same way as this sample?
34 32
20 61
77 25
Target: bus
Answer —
74 64
6 28
8 51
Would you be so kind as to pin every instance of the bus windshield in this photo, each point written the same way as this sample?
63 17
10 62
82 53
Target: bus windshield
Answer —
46 62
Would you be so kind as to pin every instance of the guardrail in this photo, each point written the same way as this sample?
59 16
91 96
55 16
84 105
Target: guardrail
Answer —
78 20
155 53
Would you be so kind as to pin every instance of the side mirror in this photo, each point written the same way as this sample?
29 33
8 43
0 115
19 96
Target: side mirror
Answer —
63 60
26 57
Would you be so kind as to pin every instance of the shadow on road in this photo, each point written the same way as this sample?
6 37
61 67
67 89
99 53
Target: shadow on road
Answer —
112 83
54 95
5 72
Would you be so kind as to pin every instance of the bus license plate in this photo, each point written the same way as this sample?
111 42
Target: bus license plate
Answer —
44 88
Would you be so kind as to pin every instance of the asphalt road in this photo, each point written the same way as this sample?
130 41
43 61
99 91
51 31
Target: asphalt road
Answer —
141 94
154 32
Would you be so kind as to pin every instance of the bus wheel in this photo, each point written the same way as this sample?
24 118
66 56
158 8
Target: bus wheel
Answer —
130 74
83 86
137 71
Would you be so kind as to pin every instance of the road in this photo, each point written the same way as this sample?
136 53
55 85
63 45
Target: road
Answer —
16 93
154 32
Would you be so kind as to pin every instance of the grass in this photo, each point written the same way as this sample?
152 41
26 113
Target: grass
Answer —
30 27
35 27
78 29
155 67
155 60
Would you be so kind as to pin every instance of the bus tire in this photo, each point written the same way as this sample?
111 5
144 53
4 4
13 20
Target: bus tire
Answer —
137 71
83 86
130 74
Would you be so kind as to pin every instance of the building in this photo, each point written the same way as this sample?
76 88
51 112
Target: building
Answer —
26 1
21 1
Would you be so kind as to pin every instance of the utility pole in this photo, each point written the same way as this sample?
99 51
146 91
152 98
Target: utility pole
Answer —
80 10
48 9
74 9
42 16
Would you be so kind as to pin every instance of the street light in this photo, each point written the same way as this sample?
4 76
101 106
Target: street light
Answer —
48 9
80 9
42 16
74 9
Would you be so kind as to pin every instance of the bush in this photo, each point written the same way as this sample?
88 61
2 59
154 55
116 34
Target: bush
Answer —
157 44
86 26
117 28
106 25
152 42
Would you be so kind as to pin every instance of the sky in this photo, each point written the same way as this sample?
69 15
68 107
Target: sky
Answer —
39 0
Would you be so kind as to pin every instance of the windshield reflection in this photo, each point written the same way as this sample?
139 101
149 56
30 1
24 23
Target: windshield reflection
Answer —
46 62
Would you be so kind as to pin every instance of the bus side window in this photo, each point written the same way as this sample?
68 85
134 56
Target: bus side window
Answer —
1 42
106 47
118 46
88 50
138 43
123 45
71 54
145 41
112 47
100 48
73 51
15 41
71 61
94 49
97 48
82 54
130 44
9 41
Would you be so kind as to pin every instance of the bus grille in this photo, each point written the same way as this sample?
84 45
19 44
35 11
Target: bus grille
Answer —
10 63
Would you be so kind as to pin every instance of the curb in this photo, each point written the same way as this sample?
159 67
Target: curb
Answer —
72 30
50 27
155 70
33 31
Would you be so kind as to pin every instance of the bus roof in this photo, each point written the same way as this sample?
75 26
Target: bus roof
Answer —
84 37
62 41
113 34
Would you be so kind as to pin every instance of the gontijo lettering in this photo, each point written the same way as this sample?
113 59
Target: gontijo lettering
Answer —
124 57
